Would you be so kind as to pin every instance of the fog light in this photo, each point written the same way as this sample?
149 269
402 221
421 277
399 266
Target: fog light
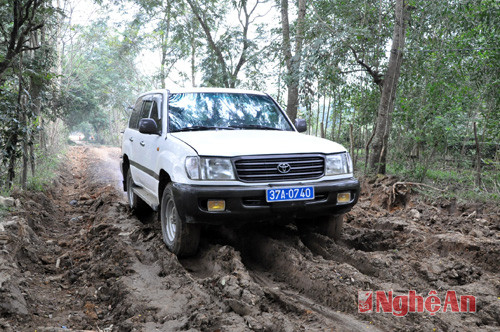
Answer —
344 197
219 205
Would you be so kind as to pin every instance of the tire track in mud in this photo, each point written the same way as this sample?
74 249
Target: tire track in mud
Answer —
121 277
51 256
275 279
248 289
159 293
312 267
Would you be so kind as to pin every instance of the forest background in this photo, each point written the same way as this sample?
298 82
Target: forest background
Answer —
410 87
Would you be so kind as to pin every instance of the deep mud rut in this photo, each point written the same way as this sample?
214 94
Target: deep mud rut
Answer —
75 258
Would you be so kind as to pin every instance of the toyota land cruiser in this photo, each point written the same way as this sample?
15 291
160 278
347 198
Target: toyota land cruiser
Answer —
217 156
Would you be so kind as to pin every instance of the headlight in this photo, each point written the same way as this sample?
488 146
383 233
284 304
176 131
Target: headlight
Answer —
209 168
193 167
337 164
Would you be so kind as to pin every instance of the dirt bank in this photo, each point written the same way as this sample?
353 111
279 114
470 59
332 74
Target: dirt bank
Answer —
74 258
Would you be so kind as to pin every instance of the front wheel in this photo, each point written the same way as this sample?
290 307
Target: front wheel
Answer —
331 226
180 237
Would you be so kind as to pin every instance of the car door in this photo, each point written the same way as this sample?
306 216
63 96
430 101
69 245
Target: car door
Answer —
130 138
137 162
150 146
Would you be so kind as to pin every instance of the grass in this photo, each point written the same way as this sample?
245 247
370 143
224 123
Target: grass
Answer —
3 211
45 171
458 182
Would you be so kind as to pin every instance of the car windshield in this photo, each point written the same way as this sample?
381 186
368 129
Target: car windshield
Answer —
215 111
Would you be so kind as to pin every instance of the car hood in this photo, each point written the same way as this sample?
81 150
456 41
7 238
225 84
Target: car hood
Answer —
232 143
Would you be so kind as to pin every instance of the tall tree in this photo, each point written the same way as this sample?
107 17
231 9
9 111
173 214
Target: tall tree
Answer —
378 158
170 24
18 19
25 76
292 61
234 47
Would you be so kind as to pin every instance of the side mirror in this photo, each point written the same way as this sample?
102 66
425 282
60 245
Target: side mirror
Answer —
301 125
148 126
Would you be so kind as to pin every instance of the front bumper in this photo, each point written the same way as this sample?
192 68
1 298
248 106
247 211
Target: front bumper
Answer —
248 203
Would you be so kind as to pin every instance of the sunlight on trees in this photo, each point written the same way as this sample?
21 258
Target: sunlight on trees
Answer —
403 83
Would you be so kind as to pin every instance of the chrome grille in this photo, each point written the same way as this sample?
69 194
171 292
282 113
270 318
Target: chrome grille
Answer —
265 168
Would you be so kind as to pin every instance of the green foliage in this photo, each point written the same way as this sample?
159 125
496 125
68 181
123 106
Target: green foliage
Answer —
25 97
100 80
46 170
48 163
27 92
8 119
449 76
448 81
459 183
3 210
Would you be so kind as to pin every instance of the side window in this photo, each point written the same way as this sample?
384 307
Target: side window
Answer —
146 107
136 115
155 115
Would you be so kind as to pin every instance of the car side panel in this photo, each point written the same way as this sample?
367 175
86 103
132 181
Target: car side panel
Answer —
129 148
149 147
173 153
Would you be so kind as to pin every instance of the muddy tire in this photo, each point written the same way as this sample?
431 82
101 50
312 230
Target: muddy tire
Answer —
331 226
180 237
134 202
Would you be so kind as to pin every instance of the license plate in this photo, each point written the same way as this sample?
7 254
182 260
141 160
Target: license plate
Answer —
289 194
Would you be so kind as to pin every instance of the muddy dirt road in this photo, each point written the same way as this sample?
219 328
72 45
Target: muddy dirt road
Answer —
73 258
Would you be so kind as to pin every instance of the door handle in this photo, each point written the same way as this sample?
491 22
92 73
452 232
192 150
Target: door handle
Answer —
131 139
142 143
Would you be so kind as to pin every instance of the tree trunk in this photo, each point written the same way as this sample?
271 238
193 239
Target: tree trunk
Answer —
292 62
309 107
164 46
378 157
317 115
23 22
35 89
327 116
211 43
163 75
340 118
193 61
323 126
11 148
32 158
367 147
24 175
230 78
478 158
351 139
11 169
334 116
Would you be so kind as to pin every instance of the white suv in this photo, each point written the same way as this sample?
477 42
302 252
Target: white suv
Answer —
230 156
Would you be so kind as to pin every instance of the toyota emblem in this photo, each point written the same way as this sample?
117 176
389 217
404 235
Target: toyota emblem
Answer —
284 168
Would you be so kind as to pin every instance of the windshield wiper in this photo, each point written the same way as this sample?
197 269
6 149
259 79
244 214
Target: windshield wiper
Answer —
252 126
196 128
